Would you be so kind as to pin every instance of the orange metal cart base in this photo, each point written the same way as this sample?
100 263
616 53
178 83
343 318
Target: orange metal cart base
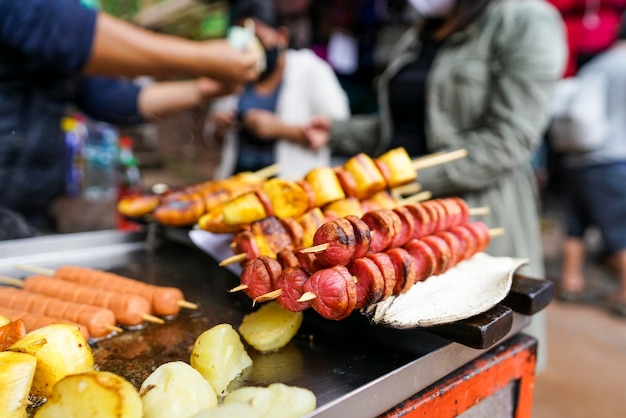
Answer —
511 363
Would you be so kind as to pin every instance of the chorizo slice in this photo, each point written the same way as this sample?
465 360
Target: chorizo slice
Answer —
467 241
245 243
438 215
295 231
291 281
421 217
442 252
287 258
405 267
481 233
407 224
384 263
341 240
464 210
383 225
455 247
362 236
370 283
335 291
424 256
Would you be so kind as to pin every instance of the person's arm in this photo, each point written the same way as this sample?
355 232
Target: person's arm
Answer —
531 55
166 97
72 38
120 48
266 125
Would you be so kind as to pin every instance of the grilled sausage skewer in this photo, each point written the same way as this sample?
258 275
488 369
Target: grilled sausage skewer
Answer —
129 309
34 321
99 321
164 300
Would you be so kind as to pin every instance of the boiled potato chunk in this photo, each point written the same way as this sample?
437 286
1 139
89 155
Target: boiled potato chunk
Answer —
270 327
232 410
95 394
220 356
16 374
176 389
60 350
275 401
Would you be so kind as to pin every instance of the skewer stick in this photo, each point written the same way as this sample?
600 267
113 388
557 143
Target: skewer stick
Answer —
233 259
496 232
114 328
11 281
268 296
187 305
267 172
480 211
418 197
35 269
315 249
152 318
307 296
238 288
405 189
437 159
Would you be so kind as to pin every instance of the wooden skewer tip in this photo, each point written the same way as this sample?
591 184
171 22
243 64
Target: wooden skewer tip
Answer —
268 296
113 328
233 259
480 211
11 281
315 249
238 288
35 269
496 232
153 319
307 296
188 305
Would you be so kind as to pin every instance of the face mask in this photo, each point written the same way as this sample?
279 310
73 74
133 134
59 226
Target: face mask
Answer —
432 8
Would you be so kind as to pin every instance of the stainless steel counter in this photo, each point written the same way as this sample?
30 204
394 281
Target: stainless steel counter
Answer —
353 367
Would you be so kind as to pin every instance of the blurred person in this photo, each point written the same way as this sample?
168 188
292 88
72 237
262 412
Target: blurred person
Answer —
479 75
56 52
264 124
594 180
590 26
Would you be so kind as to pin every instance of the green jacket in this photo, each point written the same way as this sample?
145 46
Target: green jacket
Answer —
488 92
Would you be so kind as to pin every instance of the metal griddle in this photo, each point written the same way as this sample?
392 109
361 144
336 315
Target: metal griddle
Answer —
354 368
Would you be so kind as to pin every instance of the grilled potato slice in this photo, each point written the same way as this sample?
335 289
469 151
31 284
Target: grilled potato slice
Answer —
16 374
289 199
96 394
400 167
270 327
176 389
4 320
60 350
275 401
220 356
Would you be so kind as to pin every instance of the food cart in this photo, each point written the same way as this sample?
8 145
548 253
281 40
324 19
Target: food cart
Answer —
354 368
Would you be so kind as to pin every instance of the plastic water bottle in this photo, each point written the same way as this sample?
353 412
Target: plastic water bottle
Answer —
100 155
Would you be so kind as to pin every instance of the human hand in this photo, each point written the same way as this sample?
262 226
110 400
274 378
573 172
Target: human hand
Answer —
262 123
224 62
209 89
317 131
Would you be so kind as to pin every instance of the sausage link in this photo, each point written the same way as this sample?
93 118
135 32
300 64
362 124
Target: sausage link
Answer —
129 309
33 321
99 321
163 300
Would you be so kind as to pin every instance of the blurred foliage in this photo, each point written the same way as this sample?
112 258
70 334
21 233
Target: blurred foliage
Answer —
190 19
